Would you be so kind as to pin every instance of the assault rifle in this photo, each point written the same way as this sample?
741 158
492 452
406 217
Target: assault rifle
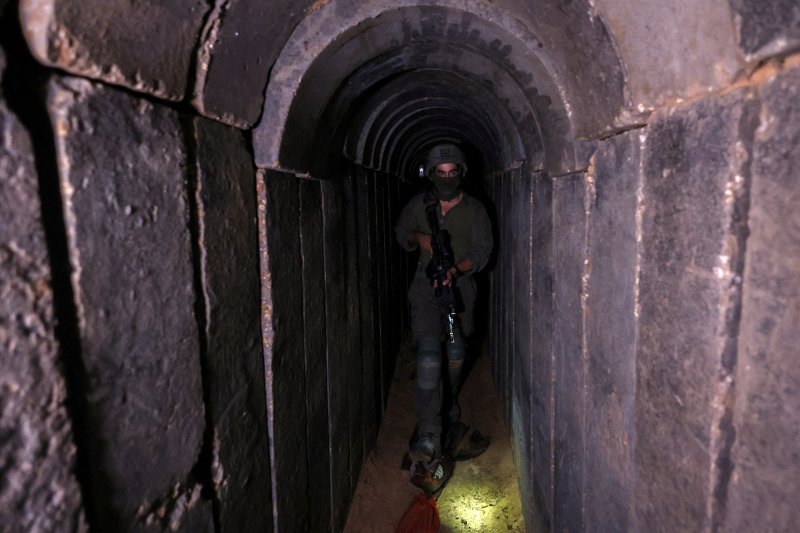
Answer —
440 263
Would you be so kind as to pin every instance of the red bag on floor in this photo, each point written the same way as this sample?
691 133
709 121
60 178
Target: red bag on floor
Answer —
422 516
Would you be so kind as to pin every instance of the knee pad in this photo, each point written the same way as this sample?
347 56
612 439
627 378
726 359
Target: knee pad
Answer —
429 362
456 351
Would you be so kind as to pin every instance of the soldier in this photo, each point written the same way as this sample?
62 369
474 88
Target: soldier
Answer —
463 221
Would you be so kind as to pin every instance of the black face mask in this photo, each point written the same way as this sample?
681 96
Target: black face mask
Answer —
447 188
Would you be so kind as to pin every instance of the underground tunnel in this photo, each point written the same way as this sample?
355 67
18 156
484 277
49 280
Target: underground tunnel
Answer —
203 299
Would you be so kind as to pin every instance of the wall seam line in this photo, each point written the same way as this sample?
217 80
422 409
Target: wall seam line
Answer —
203 468
723 432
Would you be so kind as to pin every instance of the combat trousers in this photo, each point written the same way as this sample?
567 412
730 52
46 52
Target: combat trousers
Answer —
426 323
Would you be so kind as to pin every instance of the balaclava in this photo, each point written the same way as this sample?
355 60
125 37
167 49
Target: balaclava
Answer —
446 188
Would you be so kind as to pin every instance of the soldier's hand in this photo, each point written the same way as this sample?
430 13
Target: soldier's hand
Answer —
424 241
451 277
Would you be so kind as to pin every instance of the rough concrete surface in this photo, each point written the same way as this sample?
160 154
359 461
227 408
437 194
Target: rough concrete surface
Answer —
765 457
246 42
541 379
346 374
267 306
500 339
147 46
286 360
611 333
570 214
327 377
363 301
498 45
39 491
367 409
520 321
573 39
390 307
493 334
315 355
671 49
688 297
233 364
501 273
122 167
767 28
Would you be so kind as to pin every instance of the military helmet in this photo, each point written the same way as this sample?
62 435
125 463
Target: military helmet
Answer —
445 153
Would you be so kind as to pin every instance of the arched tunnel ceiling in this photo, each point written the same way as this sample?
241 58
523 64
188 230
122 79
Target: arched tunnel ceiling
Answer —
332 56
414 105
376 114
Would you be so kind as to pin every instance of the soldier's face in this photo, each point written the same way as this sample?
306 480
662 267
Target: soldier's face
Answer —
446 170
447 179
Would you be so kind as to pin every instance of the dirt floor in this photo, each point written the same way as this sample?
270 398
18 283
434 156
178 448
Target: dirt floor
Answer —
481 496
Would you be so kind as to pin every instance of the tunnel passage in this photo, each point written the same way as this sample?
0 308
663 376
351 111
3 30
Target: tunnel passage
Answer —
342 138
373 47
640 158
585 212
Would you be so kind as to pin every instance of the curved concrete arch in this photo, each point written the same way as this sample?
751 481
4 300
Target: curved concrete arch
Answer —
528 106
412 151
428 85
338 39
417 149
391 156
386 138
456 93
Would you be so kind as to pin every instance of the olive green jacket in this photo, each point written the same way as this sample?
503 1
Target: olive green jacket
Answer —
467 222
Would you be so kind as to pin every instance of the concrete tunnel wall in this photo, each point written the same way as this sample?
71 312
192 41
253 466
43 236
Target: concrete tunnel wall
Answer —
642 304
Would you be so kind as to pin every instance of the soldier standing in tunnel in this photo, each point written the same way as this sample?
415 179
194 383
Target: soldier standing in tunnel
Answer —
464 221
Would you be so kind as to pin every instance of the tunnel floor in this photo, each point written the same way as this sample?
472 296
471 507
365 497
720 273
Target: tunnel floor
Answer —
482 494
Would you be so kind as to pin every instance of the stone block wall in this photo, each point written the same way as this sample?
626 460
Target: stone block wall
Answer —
122 169
763 420
232 360
40 490
609 325
521 314
662 387
149 50
334 280
694 190
569 211
643 308
133 373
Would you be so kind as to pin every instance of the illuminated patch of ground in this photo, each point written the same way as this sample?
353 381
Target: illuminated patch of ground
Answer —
476 500
481 496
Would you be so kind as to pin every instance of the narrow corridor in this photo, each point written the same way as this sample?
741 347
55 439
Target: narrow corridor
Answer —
202 298
482 495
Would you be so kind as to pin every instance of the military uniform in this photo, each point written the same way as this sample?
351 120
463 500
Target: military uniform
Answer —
471 238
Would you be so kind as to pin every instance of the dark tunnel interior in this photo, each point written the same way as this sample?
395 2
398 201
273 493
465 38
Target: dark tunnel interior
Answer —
359 123
202 299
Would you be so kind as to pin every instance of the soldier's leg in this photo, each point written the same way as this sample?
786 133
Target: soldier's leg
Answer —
457 351
426 325
428 399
